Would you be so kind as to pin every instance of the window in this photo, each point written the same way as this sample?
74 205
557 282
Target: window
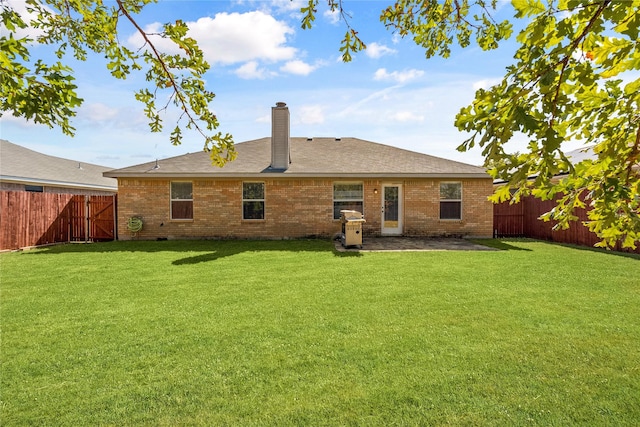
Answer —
347 196
34 188
253 200
450 200
181 200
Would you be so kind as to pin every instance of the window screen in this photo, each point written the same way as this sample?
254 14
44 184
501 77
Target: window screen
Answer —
347 196
181 200
450 200
253 200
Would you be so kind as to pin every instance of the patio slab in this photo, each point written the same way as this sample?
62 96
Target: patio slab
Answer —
415 244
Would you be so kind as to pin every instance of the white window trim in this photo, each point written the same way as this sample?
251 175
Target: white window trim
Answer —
263 200
333 195
449 200
171 200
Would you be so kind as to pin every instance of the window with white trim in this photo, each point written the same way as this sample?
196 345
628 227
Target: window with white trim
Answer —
347 196
181 200
253 200
450 200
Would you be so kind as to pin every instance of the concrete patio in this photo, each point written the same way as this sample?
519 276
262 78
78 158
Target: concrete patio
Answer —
415 244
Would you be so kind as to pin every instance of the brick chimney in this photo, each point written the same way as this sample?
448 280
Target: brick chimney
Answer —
280 155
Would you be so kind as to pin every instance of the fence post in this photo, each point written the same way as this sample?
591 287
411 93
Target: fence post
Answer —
86 216
115 216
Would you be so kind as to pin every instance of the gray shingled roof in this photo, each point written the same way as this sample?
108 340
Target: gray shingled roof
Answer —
580 154
318 157
19 164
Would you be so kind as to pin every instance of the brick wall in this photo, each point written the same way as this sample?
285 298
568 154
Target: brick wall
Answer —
422 209
294 208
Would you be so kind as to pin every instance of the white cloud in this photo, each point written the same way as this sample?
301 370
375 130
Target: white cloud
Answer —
274 7
406 116
229 38
380 97
298 67
376 50
398 76
485 83
288 5
311 114
99 112
250 70
264 119
136 41
20 7
8 119
332 16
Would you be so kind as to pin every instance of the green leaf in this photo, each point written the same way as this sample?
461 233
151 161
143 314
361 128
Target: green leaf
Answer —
529 123
526 8
632 88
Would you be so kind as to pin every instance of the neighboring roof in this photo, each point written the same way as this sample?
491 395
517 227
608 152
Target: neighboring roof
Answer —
316 157
575 156
580 154
21 165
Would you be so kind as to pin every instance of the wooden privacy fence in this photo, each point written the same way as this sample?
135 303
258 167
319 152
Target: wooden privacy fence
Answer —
521 220
33 219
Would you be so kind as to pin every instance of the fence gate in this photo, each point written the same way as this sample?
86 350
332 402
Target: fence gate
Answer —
33 219
508 220
101 214
93 218
77 219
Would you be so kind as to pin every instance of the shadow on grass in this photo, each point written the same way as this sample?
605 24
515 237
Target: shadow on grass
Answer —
215 249
599 250
227 249
502 244
212 250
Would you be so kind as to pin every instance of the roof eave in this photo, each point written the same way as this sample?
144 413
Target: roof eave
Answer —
270 175
53 183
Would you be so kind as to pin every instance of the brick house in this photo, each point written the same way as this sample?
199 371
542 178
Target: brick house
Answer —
287 187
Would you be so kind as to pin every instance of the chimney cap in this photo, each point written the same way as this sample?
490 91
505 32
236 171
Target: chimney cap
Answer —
281 104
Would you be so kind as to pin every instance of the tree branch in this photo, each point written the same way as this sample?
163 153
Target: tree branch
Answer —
634 156
573 46
564 61
168 74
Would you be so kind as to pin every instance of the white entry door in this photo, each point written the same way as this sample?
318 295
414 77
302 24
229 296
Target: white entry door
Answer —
391 209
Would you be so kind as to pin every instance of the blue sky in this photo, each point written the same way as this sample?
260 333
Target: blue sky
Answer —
259 55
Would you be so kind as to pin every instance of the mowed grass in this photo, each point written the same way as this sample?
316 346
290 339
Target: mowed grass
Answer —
294 333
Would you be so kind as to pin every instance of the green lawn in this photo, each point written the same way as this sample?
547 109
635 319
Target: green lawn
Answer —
294 333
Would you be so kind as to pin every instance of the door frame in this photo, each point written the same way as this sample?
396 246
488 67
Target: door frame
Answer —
391 231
